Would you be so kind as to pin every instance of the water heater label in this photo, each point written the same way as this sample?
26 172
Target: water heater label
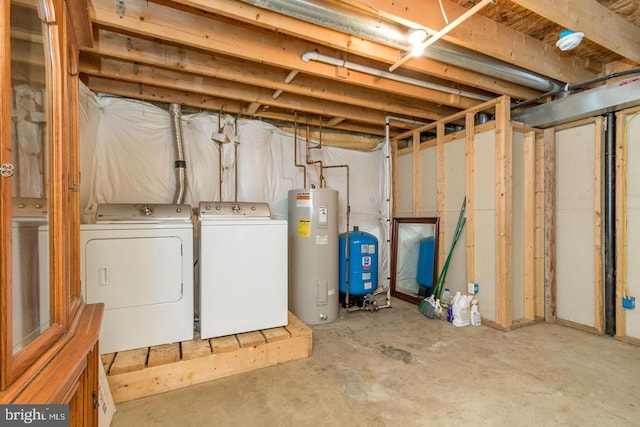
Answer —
304 228
372 249
323 215
364 249
322 239
303 200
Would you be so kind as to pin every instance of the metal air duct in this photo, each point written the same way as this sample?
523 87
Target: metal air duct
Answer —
594 102
389 34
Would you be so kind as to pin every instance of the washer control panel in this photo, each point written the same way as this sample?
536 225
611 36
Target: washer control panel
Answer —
238 210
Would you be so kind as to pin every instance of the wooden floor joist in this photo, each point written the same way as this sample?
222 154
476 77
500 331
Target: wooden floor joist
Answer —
147 371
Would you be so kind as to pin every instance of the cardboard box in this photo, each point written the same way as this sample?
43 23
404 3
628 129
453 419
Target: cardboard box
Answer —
106 407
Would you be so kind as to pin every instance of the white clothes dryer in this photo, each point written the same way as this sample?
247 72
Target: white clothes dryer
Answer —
243 268
30 270
138 260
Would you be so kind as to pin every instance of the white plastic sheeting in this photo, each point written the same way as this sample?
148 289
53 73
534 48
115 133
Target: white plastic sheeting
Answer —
130 143
27 137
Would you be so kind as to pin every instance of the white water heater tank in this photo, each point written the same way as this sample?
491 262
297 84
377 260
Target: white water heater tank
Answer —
313 254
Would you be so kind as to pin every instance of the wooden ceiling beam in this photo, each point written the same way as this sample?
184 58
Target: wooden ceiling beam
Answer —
482 34
314 121
599 24
221 88
125 48
334 121
247 93
158 94
216 104
253 108
204 31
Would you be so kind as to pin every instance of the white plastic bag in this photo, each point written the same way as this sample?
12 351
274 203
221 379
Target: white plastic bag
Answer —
462 310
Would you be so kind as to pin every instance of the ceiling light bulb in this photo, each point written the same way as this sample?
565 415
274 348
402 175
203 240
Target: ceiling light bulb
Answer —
416 35
569 40
417 49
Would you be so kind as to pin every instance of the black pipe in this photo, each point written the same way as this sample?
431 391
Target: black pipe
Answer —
610 224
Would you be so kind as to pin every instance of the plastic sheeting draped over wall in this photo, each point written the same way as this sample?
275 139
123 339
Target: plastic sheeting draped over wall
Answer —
127 149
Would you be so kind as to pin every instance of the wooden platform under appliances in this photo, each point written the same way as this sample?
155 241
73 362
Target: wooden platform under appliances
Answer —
147 371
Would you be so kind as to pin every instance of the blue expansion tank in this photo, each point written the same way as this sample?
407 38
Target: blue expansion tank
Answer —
363 266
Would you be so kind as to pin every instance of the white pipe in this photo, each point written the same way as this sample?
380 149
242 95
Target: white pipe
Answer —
292 75
276 94
315 56
387 239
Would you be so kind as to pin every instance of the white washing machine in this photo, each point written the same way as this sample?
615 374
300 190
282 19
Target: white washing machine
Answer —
243 268
138 260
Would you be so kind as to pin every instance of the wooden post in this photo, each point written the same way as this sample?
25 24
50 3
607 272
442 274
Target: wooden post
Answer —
621 222
441 192
416 174
550 225
504 212
470 224
597 261
539 249
529 225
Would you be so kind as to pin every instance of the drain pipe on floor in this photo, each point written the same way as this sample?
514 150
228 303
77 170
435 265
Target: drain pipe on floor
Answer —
610 224
180 164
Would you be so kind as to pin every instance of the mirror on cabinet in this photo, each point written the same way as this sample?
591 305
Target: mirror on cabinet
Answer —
414 257
31 312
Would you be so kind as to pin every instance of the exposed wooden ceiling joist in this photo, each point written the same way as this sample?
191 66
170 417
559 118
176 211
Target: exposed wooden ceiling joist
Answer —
222 88
395 98
246 56
598 23
209 33
484 35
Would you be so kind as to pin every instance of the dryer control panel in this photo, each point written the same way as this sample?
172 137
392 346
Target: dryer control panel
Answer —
29 207
142 213
234 210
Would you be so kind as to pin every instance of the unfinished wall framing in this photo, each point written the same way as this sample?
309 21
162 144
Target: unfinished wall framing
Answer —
496 166
628 223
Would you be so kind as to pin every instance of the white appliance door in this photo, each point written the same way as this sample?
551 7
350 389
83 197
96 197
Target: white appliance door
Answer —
130 272
243 282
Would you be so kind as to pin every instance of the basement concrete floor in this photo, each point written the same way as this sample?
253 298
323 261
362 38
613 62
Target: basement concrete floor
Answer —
396 367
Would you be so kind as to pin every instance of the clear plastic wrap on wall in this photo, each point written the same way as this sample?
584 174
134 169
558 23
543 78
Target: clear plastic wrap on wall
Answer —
127 150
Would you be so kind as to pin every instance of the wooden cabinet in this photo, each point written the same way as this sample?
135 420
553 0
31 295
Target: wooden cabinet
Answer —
48 336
